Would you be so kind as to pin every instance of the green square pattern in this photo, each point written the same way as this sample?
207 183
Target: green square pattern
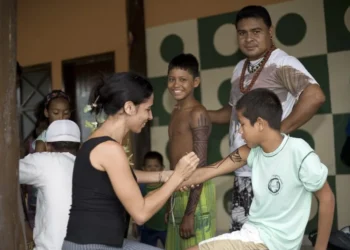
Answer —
318 68
338 31
159 87
305 135
218 132
209 56
339 122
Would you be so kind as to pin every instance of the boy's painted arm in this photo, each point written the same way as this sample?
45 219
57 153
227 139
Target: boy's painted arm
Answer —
230 163
201 127
326 200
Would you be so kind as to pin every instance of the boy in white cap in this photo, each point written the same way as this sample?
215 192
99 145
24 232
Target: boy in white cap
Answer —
51 173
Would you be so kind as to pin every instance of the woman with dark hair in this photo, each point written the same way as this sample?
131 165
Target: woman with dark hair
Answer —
104 186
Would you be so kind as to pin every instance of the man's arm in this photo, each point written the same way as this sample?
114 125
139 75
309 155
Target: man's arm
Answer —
300 83
221 116
325 216
309 102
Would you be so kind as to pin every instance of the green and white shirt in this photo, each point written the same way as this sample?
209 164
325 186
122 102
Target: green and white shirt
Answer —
283 182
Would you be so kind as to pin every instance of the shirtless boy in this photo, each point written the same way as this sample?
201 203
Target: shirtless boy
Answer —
191 216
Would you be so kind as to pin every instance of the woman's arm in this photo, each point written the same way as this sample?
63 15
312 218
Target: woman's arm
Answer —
152 177
106 155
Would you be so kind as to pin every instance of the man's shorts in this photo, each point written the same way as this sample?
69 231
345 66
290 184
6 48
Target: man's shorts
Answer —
247 238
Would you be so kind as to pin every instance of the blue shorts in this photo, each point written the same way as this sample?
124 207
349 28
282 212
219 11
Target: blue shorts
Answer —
150 236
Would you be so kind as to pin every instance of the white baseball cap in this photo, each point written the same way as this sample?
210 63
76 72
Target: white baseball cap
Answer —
63 130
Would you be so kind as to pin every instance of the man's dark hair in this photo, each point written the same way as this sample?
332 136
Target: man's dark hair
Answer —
254 11
186 62
65 146
153 155
261 103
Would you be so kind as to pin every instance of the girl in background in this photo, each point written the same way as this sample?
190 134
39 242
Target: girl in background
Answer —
56 107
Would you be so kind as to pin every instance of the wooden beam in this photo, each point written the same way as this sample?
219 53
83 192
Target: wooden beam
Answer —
11 214
140 143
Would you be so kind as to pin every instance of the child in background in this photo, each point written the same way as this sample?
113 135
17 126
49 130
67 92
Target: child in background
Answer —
56 107
40 125
155 228
51 173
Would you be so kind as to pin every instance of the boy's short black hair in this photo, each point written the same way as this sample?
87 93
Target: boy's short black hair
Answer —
254 11
186 62
261 103
65 146
153 155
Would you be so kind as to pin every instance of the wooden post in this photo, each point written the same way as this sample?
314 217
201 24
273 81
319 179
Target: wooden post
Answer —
11 224
140 143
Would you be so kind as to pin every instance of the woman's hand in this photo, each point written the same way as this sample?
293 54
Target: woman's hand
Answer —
186 165
165 175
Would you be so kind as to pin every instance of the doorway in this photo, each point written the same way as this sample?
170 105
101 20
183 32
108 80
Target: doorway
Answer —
79 77
35 84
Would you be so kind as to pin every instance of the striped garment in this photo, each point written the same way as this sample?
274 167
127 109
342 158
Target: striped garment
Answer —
128 245
205 218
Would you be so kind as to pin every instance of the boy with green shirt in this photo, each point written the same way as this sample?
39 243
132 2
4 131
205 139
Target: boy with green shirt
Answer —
155 228
285 173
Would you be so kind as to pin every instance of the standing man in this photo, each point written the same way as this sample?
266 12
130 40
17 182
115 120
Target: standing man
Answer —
265 67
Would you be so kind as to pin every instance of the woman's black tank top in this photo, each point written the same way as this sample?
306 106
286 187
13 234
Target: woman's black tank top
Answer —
97 216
